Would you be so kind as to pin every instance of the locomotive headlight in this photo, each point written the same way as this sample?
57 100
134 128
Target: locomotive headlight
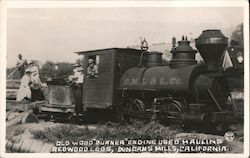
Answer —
240 57
144 45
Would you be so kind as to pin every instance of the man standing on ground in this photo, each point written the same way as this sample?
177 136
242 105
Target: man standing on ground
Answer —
79 80
36 94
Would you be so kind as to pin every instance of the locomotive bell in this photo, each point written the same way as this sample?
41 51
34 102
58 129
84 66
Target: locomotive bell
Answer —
183 54
211 45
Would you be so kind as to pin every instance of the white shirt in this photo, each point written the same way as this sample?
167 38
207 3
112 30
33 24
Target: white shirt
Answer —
79 77
92 71
20 62
75 70
36 79
34 70
24 89
25 81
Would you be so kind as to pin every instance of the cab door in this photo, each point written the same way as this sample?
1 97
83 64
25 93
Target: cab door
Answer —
98 85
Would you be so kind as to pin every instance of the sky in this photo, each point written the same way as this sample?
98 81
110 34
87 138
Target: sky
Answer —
56 33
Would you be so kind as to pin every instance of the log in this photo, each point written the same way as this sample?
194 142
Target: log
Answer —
29 146
12 115
8 113
24 117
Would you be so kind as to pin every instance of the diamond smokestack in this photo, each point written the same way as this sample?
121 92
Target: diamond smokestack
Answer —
211 45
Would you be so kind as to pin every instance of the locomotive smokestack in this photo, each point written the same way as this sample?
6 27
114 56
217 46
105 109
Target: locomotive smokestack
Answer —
211 44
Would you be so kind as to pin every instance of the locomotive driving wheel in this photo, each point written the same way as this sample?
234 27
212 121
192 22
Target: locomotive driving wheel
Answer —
173 110
131 109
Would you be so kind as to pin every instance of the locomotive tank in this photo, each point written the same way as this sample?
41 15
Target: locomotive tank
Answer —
184 90
161 78
184 74
178 77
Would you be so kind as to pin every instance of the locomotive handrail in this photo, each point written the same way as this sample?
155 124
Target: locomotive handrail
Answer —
10 75
233 104
141 57
211 95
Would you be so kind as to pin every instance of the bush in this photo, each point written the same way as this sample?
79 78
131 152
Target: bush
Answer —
138 131
48 70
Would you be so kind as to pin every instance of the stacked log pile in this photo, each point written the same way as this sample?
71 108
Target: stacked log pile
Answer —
11 89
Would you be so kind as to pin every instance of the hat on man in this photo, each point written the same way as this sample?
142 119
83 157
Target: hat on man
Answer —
19 55
27 71
90 61
76 65
80 69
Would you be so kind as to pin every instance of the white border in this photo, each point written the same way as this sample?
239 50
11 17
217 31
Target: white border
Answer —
4 5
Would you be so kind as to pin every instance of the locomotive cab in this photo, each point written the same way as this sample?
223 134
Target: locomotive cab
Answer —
100 90
103 70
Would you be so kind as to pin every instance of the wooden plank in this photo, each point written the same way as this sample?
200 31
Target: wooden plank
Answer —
60 106
57 109
13 84
23 105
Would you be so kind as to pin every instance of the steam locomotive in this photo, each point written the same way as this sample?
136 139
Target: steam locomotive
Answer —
135 84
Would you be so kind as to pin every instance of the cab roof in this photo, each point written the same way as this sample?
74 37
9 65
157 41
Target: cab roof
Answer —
97 50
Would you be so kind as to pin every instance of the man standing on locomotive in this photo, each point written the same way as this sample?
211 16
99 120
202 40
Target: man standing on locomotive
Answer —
78 86
77 66
92 71
20 65
73 77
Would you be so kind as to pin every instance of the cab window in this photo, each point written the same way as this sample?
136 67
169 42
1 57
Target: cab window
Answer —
93 65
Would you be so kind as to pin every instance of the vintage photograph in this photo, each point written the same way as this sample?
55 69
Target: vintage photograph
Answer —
126 80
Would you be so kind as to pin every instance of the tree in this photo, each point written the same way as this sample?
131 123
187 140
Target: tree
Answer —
80 60
15 75
48 70
237 35
237 82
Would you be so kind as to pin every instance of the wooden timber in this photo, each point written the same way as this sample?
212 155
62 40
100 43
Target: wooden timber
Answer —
23 105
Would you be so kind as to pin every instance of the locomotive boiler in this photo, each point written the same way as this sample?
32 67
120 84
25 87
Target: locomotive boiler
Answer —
184 91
